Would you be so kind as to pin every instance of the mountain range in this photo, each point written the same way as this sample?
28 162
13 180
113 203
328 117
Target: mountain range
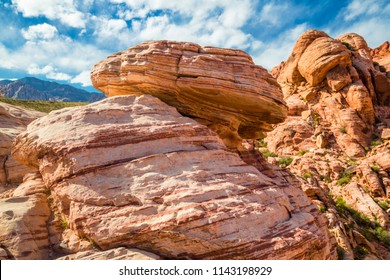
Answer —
31 88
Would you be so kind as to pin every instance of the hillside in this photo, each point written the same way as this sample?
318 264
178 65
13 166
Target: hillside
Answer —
30 88
41 106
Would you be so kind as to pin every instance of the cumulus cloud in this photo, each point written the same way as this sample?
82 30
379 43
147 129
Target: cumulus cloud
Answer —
369 19
49 71
63 10
40 32
217 22
83 78
357 8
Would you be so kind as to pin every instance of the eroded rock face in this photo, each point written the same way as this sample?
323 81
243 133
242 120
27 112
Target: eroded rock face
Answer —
13 120
381 55
131 171
24 234
120 253
337 80
336 135
221 88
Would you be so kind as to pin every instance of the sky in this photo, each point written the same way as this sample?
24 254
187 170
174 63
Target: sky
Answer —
61 40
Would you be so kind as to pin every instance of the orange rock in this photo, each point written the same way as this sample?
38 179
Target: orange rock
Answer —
221 88
13 120
136 173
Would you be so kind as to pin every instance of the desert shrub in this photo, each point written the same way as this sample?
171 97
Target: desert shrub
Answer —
375 143
301 152
307 175
348 46
360 252
345 179
343 130
285 161
382 68
262 143
374 168
268 153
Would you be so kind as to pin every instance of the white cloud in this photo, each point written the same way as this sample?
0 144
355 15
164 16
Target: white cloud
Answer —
62 10
272 13
40 32
216 22
369 19
83 78
357 8
49 71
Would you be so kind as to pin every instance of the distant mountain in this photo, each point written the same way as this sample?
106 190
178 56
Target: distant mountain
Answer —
35 89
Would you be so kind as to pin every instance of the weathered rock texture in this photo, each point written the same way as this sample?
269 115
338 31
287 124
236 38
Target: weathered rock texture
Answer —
13 120
131 171
381 55
120 253
23 227
221 88
336 136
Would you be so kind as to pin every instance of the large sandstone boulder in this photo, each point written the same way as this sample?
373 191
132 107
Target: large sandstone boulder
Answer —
13 120
221 88
131 171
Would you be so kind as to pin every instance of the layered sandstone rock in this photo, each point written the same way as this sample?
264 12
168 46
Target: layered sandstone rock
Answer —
13 120
338 82
221 88
336 135
120 253
24 234
131 171
381 55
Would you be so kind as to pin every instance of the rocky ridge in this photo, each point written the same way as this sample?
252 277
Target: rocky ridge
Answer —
335 137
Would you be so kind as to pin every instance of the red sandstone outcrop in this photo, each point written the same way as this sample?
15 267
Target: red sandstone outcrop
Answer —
336 135
221 88
381 55
131 171
13 120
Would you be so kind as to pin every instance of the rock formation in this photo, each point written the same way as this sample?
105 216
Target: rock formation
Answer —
13 120
381 55
221 88
338 101
131 171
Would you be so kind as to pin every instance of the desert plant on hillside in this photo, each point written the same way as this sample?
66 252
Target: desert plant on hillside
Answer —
285 161
345 179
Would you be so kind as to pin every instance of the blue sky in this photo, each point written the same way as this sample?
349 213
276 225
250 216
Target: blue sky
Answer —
60 40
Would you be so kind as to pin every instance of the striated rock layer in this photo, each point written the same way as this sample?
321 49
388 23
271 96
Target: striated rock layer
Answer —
131 171
336 137
13 120
221 88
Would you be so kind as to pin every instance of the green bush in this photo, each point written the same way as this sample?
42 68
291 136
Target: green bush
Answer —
285 161
340 253
268 153
301 152
307 175
375 168
348 46
345 179
360 252
343 130
375 143
262 143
